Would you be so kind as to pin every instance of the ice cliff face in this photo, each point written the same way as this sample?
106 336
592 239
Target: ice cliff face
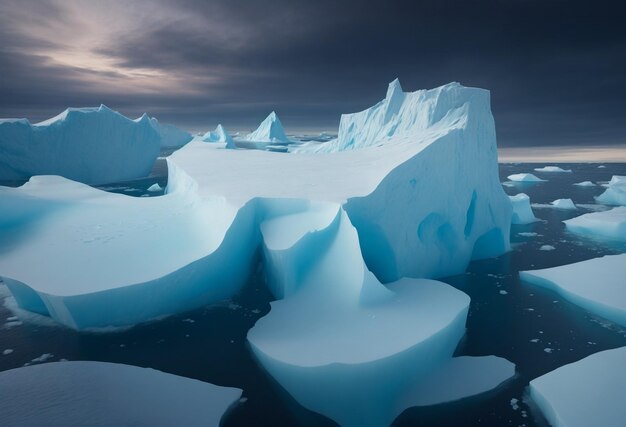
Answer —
92 145
171 136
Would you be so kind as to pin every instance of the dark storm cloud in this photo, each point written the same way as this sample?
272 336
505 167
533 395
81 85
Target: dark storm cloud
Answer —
555 68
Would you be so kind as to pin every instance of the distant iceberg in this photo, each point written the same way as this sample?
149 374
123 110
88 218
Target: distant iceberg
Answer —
585 184
585 393
219 135
565 204
524 177
91 145
100 393
270 131
552 169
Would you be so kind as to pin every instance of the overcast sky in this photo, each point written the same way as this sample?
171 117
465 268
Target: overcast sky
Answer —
556 69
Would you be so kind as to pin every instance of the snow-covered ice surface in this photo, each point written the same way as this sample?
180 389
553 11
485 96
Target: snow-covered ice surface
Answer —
524 177
615 194
100 394
92 145
552 169
522 212
609 224
585 393
598 285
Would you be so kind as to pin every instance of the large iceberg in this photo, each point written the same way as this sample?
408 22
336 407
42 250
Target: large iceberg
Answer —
101 394
424 204
171 136
586 393
615 194
91 145
609 224
522 212
219 135
597 284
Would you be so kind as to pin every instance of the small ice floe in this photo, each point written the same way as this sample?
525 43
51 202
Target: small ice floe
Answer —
155 187
547 248
585 184
553 169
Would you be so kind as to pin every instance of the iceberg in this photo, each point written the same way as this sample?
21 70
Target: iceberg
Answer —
155 188
584 393
615 194
171 136
522 212
99 393
412 219
219 135
597 285
90 145
552 169
270 131
609 224
565 204
524 177
585 184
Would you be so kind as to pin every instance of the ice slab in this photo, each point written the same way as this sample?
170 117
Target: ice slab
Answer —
597 285
522 212
101 394
552 169
584 393
615 194
565 204
91 145
609 224
524 177
585 184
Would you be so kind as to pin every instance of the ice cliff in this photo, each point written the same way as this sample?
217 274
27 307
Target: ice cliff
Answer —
91 145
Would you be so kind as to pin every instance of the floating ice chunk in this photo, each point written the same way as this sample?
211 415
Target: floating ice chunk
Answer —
585 184
7 351
552 169
565 204
219 135
615 194
155 187
547 248
91 145
584 393
597 285
601 167
524 177
171 136
522 212
390 348
269 131
609 224
98 393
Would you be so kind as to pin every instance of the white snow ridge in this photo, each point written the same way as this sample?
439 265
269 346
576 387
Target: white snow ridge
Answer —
350 237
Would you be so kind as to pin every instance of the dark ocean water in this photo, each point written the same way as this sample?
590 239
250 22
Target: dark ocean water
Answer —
528 325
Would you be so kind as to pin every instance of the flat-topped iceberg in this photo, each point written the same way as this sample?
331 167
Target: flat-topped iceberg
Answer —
609 224
99 394
565 204
171 136
552 169
91 145
522 212
586 393
219 135
585 184
524 177
597 285
615 194
399 203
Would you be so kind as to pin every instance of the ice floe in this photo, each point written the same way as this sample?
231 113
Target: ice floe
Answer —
609 224
524 177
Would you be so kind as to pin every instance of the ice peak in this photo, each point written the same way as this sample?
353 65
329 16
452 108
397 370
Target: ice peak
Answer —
270 129
394 87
